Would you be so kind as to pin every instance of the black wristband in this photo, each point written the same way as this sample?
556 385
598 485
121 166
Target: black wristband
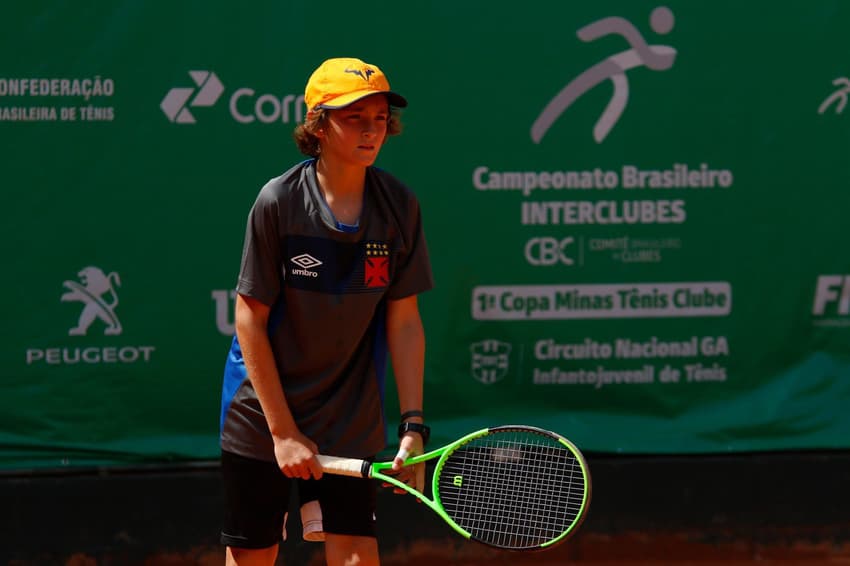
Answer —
407 414
423 430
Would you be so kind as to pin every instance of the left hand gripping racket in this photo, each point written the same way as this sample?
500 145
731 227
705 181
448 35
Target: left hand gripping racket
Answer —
514 487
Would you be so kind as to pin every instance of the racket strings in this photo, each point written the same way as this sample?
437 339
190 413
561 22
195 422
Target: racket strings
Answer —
513 489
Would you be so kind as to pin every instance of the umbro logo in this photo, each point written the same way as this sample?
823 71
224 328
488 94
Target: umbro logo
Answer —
306 262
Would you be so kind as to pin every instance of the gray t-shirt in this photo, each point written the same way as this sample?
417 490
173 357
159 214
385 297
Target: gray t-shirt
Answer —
327 285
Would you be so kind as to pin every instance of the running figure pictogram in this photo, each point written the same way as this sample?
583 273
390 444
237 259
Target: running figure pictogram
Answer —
839 95
655 57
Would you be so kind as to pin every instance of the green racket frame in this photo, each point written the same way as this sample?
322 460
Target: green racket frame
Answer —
375 471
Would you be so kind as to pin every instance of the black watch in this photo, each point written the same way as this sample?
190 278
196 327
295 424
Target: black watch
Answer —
423 430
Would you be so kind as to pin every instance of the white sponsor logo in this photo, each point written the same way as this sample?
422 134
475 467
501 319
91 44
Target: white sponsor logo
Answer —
628 348
96 291
629 249
267 108
831 305
38 95
306 262
839 97
92 355
225 306
546 251
654 57
490 360
176 101
245 105
625 300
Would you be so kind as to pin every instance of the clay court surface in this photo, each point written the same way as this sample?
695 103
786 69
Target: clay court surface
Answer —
626 549
634 549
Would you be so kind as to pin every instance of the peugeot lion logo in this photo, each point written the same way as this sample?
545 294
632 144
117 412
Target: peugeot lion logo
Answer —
96 291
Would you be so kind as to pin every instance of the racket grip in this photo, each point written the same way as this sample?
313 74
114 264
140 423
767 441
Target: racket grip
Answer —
344 466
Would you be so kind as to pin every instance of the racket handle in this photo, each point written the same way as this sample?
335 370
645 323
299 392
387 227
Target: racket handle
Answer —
344 466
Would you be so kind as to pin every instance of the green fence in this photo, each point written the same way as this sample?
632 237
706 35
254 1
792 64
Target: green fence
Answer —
635 213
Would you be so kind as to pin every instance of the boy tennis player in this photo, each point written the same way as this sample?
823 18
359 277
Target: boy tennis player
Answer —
334 257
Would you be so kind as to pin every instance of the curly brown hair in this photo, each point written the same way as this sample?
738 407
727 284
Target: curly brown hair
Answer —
307 141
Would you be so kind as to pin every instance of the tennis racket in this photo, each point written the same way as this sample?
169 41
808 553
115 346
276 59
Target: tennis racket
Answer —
513 487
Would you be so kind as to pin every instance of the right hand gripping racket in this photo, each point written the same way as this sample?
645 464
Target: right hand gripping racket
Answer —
515 487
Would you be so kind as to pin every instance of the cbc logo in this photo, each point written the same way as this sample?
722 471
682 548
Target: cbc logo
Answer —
548 251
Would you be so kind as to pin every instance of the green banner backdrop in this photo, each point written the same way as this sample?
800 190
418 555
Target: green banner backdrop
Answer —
634 210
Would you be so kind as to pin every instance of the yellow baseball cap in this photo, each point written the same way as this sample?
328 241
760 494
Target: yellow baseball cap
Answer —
338 82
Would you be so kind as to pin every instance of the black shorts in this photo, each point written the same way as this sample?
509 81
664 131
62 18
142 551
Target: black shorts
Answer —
257 497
